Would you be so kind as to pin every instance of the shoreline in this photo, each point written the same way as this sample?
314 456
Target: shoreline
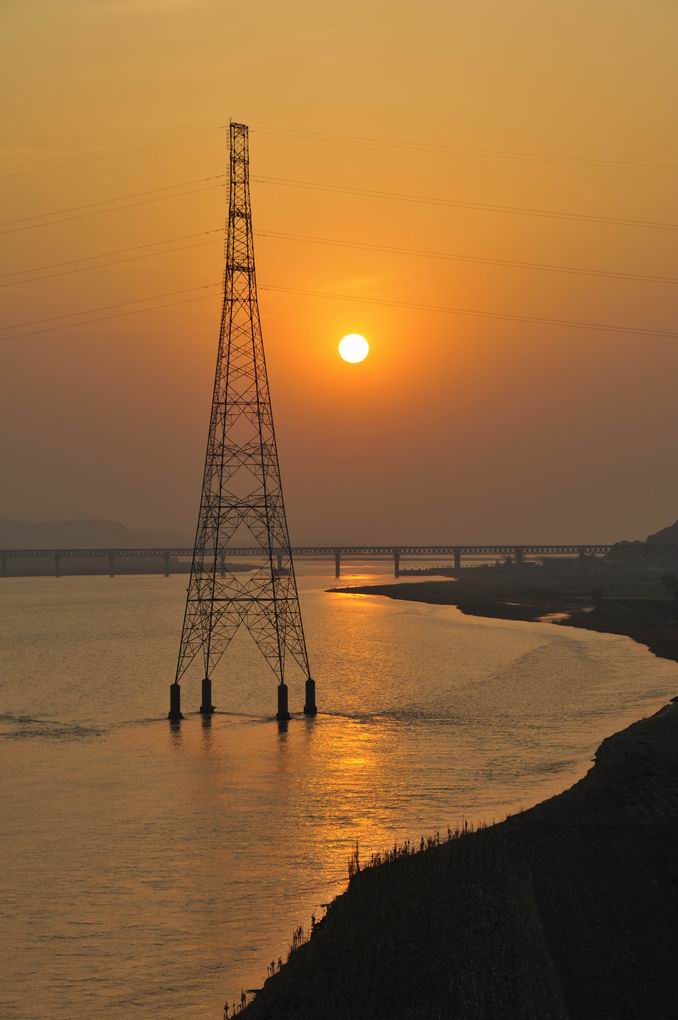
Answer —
652 622
565 911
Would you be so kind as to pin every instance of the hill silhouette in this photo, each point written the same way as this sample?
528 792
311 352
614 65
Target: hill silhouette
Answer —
665 536
84 534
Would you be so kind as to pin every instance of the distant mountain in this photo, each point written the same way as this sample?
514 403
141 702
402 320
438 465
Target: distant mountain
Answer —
85 534
667 536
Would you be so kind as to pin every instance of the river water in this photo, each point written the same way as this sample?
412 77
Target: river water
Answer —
149 871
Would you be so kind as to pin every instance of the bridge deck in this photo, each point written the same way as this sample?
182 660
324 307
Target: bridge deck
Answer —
351 550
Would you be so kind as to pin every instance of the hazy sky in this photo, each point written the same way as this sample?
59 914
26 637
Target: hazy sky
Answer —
457 428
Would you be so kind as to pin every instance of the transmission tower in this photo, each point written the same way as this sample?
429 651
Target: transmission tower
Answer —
242 494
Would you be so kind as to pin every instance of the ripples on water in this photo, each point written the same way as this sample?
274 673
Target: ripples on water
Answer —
150 871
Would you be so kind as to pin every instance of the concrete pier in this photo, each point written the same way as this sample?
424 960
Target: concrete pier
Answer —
280 560
283 713
457 559
166 563
206 706
57 564
337 563
174 714
111 564
396 562
310 707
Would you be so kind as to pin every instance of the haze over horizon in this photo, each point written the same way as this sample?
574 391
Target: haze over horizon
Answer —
456 428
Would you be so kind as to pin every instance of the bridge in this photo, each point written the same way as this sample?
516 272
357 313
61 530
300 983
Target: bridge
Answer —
167 559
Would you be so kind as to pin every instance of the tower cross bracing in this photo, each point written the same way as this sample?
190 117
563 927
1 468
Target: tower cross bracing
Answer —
242 497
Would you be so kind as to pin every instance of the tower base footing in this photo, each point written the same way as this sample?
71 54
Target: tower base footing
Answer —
206 706
174 714
310 707
283 713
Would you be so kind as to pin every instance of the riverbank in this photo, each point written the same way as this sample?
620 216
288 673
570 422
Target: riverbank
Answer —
566 911
649 619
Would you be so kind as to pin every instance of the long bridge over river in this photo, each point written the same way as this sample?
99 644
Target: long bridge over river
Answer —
18 562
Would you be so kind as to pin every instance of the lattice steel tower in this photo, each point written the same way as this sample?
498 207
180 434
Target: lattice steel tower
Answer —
241 489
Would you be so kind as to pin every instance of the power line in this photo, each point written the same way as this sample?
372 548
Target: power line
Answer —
616 164
456 204
108 201
327 241
473 259
106 318
112 152
601 327
105 254
103 308
333 189
117 262
109 152
114 208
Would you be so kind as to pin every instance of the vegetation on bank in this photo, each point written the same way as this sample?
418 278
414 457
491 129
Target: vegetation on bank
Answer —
384 947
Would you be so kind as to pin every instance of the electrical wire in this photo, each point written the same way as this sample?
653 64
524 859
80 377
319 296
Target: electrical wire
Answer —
601 327
617 164
110 152
457 204
117 262
115 208
473 259
104 308
117 198
105 254
604 274
106 318
333 189
113 152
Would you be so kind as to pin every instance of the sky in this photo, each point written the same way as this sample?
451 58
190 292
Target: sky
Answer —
458 428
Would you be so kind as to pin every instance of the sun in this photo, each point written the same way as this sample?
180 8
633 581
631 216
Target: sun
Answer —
354 348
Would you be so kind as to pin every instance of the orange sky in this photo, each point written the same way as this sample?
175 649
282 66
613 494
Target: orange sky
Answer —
456 428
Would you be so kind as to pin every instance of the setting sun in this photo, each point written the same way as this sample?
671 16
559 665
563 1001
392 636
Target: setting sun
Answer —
354 348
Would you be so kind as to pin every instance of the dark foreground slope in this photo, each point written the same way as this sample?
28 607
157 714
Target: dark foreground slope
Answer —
568 910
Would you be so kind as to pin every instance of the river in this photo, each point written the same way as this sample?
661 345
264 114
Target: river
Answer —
154 871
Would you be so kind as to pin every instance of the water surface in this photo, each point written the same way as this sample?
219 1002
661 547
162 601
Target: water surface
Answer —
154 871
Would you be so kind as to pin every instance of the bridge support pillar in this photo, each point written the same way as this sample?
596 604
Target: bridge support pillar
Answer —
283 713
396 562
166 563
457 559
111 564
337 564
206 706
519 556
280 560
3 564
57 564
310 707
174 714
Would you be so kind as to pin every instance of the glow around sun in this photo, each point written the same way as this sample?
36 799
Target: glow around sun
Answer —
354 348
